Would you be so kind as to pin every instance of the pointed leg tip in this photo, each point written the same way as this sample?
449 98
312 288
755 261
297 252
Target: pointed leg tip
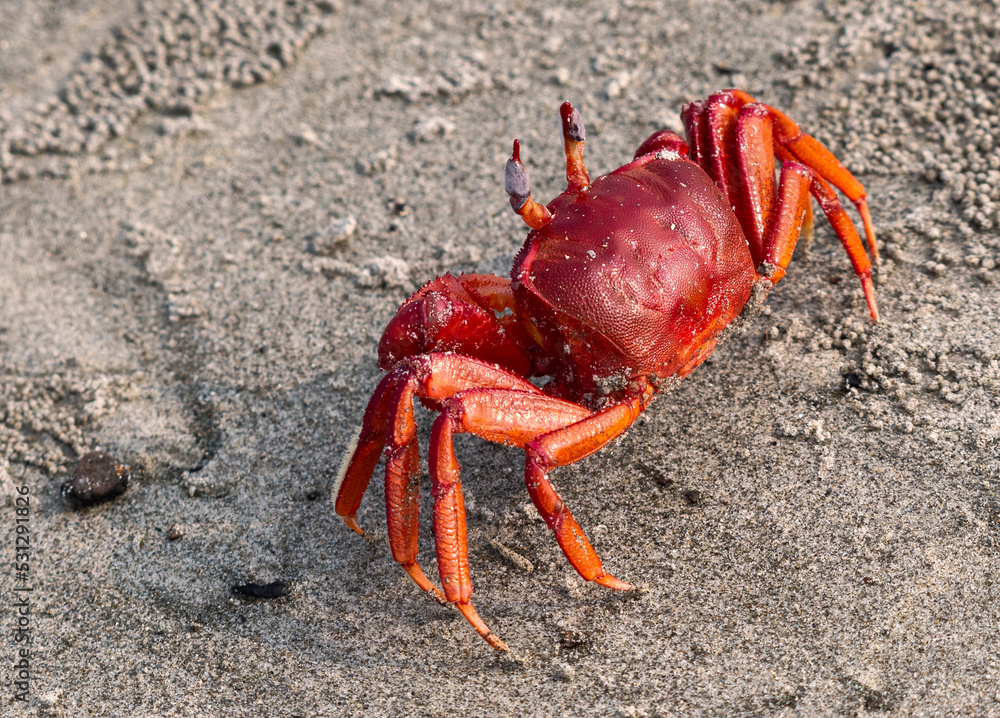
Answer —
866 219
609 581
472 617
866 283
352 523
419 578
498 645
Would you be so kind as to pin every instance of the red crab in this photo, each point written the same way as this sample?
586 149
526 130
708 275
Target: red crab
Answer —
623 287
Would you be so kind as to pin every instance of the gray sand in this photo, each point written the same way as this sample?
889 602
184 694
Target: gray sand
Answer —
211 209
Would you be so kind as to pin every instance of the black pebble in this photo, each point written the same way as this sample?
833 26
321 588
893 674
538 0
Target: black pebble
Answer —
97 478
267 590
852 380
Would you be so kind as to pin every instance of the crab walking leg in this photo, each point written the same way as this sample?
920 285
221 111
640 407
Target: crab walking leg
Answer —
402 502
359 464
755 150
722 162
402 484
562 447
789 216
696 132
517 418
812 153
500 415
450 536
389 420
848 235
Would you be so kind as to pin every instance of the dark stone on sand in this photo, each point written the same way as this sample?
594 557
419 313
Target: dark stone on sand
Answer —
98 477
275 589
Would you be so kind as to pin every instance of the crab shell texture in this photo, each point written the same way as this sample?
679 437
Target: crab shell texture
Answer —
636 274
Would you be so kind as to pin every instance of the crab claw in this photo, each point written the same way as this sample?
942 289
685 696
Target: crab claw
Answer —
518 185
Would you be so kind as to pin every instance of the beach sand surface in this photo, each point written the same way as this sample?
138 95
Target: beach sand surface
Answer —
211 209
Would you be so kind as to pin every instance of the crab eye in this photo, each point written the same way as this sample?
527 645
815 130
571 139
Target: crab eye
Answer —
516 181
518 186
573 126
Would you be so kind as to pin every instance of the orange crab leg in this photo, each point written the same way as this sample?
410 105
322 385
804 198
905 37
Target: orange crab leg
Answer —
812 153
356 472
793 203
721 118
696 130
402 484
562 447
754 143
450 536
844 228
389 420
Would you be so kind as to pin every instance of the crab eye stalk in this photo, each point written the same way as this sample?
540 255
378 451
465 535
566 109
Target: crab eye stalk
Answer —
515 179
518 186
574 134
